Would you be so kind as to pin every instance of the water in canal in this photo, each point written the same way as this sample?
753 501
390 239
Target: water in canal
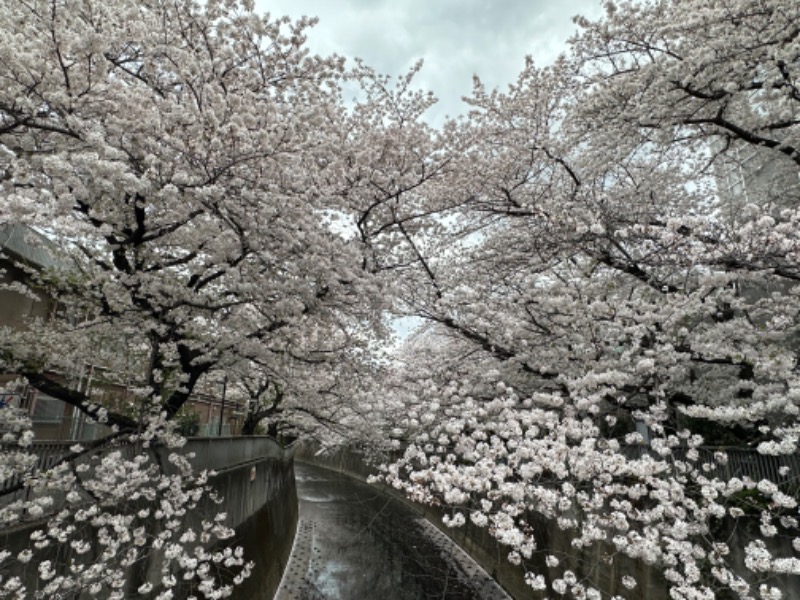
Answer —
356 543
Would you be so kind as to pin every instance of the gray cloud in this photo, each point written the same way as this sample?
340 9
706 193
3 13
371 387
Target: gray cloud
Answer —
456 38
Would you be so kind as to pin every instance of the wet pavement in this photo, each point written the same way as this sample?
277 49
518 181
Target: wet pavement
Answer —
356 543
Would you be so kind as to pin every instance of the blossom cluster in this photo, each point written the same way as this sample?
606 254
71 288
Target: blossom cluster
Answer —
114 511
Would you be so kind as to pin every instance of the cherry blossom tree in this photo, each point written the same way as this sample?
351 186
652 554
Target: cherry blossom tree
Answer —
605 256
195 163
182 152
613 290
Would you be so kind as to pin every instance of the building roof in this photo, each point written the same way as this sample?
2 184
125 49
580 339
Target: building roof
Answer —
23 243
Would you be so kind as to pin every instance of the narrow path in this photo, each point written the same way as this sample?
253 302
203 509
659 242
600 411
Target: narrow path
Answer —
356 543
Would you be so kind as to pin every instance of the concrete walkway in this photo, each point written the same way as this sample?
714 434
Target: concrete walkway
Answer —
356 543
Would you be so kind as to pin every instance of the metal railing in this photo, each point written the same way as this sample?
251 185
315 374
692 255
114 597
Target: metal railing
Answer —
213 454
221 453
783 470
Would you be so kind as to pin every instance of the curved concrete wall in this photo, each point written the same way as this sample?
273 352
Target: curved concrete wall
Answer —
590 563
255 476
476 541
267 534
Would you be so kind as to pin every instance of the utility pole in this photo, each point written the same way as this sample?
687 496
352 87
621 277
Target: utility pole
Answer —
222 406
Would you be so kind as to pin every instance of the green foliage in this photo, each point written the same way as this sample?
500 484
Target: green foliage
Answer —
751 501
719 434
187 422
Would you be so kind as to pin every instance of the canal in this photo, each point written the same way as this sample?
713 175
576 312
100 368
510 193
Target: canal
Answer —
355 542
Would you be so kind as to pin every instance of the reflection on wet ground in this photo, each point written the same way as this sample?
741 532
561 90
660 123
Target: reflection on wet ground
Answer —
356 543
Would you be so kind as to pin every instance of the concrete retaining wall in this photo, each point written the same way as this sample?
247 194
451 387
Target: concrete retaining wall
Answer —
255 476
266 492
476 541
592 564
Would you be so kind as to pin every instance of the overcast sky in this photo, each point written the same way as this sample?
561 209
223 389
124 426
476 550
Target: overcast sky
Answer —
456 38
